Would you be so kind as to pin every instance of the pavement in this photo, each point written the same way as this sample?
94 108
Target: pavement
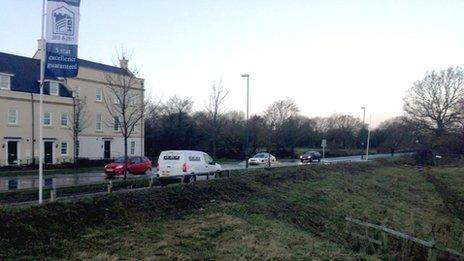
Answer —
15 183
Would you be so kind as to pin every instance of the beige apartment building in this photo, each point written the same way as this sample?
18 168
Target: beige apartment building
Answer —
19 119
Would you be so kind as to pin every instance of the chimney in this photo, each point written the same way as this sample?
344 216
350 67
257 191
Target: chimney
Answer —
40 47
124 63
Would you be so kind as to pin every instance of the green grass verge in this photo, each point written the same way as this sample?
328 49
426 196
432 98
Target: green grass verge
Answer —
292 213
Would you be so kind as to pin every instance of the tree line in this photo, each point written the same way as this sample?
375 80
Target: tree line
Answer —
433 121
280 129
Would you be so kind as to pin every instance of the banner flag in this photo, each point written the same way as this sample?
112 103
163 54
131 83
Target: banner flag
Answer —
61 38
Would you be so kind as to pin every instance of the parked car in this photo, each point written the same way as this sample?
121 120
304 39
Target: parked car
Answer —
310 156
261 158
135 165
178 163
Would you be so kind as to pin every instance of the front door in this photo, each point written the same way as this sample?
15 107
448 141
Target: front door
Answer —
48 149
107 154
12 152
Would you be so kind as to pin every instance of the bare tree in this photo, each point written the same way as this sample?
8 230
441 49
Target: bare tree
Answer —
434 102
396 133
280 111
277 116
177 105
214 111
124 100
79 121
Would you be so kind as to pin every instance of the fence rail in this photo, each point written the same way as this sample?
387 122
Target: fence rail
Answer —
432 246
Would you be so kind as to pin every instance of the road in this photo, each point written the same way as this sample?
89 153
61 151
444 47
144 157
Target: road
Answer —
14 183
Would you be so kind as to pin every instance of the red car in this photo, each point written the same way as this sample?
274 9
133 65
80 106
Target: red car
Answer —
135 165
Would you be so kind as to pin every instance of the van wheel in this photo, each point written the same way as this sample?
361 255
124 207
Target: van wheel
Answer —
189 179
163 182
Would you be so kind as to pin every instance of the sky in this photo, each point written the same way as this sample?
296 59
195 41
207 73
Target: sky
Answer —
328 56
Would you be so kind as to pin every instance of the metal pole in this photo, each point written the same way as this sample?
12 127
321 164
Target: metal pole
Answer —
368 138
247 117
42 76
362 138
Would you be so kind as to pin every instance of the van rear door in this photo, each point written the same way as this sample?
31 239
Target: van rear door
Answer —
170 163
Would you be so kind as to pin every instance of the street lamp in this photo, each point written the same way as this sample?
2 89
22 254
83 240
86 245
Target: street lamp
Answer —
362 136
247 76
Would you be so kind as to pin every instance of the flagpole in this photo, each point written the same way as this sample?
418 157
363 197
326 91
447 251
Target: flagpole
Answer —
42 76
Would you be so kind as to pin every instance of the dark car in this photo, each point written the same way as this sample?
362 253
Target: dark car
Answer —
135 165
310 156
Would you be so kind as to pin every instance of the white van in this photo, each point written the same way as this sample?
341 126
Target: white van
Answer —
175 163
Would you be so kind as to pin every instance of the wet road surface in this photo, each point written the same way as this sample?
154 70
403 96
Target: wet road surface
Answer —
15 183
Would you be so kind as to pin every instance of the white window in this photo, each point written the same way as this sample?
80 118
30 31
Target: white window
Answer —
54 88
116 99
47 119
12 116
77 92
132 148
98 122
64 120
99 95
116 123
134 100
64 148
5 82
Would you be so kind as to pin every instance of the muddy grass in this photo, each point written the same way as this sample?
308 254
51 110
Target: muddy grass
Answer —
281 214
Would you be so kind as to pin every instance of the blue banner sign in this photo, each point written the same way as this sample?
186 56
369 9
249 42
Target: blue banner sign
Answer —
62 38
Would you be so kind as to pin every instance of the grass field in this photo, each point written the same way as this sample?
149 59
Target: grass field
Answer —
280 214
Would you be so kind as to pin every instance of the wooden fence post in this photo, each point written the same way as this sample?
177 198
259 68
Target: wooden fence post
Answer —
110 186
384 240
53 195
432 255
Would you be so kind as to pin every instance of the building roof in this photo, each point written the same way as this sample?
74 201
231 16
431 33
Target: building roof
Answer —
102 67
26 73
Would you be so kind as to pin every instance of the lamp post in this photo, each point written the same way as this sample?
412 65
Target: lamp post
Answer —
42 77
362 136
247 76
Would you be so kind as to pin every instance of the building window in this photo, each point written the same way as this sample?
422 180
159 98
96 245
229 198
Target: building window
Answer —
116 123
64 120
5 82
99 95
132 148
98 122
47 119
116 99
77 92
54 88
64 148
134 100
13 116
